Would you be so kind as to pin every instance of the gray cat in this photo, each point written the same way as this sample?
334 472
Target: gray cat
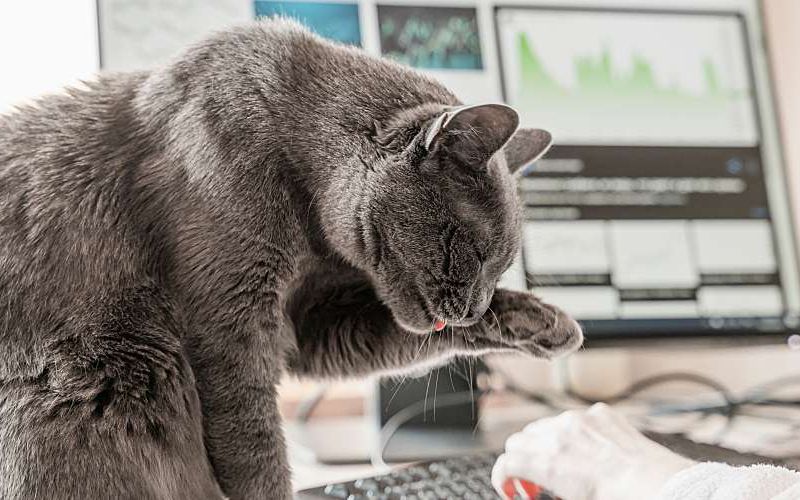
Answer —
172 242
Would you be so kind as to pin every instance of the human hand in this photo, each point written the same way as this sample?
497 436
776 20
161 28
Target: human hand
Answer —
587 455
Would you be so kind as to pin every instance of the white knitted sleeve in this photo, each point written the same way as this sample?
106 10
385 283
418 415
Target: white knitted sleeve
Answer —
715 481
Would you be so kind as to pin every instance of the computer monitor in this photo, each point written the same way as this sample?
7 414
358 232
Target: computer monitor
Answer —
662 209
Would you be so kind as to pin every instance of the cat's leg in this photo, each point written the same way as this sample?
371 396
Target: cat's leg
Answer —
358 336
352 333
113 414
95 444
237 381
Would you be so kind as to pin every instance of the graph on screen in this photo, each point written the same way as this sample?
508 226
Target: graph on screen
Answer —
628 78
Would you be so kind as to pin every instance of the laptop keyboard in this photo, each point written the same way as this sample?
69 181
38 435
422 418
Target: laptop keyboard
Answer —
467 478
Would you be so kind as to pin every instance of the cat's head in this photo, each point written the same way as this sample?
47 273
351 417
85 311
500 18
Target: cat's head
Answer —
438 220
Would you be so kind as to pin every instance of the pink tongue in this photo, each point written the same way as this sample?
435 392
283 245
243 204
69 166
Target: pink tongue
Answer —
439 325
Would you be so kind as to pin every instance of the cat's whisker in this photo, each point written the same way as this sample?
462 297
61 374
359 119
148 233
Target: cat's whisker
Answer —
421 345
424 341
470 362
397 388
496 320
425 401
462 374
428 350
435 390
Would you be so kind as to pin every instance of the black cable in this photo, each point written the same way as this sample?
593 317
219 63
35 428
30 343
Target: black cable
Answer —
762 390
728 408
648 382
630 391
771 402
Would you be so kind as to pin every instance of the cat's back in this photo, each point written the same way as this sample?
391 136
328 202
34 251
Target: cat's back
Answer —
66 172
66 164
55 150
301 78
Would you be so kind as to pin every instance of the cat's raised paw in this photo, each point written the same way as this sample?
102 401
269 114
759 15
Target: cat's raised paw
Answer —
530 325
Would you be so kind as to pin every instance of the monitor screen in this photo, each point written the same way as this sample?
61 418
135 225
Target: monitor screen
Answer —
652 213
629 78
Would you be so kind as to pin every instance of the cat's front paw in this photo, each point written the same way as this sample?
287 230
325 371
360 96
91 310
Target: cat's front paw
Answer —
527 324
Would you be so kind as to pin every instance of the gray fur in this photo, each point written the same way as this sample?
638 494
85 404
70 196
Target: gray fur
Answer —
172 242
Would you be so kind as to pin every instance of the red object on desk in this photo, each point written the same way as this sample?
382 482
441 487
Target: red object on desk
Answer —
520 489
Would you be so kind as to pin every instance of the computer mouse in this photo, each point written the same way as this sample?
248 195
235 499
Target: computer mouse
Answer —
520 489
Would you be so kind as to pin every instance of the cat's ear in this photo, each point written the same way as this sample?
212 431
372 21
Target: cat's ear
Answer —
525 147
473 133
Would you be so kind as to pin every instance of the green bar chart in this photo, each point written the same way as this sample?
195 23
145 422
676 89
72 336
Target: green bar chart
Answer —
612 89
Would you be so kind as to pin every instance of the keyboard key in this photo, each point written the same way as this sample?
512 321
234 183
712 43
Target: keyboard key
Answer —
441 492
418 486
337 491
404 476
440 470
475 486
419 472
367 484
459 489
396 490
387 481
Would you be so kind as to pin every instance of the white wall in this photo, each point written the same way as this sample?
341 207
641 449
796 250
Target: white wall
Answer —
783 25
45 45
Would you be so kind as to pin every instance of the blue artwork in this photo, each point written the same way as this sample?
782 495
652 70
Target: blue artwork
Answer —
336 21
